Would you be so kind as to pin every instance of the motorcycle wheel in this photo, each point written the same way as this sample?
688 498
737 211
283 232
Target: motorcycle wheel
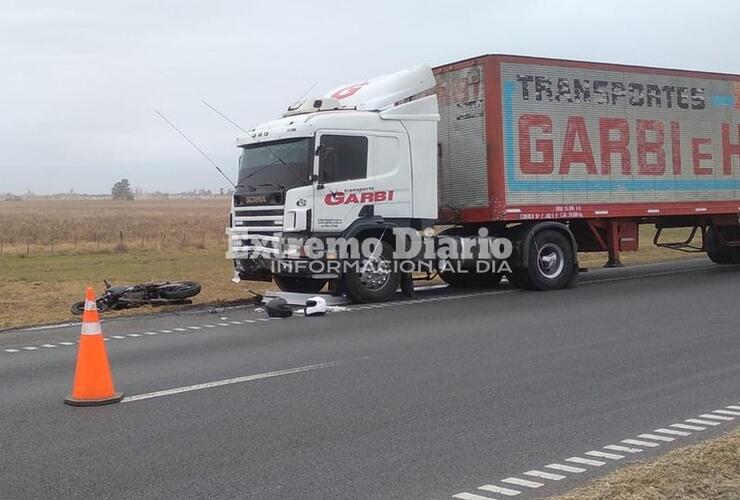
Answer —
79 307
179 291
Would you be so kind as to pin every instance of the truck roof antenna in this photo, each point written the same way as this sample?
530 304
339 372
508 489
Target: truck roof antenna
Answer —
212 108
196 147
267 148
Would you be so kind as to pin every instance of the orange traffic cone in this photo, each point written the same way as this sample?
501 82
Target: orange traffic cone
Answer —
93 384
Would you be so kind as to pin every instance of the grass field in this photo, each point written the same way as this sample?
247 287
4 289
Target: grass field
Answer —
53 249
708 470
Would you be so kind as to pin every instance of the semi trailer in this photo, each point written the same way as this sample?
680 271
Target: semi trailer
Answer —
550 157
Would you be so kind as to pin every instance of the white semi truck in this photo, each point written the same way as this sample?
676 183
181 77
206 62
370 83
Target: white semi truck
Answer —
554 156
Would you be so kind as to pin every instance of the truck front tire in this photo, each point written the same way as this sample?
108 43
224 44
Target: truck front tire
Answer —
299 285
374 279
550 265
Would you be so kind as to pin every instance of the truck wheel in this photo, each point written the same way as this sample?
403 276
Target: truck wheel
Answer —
550 263
720 254
374 279
299 285
471 279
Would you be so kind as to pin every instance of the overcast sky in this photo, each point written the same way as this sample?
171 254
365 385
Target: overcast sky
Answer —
80 80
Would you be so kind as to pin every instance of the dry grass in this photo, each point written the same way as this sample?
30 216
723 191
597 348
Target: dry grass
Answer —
41 289
709 470
42 227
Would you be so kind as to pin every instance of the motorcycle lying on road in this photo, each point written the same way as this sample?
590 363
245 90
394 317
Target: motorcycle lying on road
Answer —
129 296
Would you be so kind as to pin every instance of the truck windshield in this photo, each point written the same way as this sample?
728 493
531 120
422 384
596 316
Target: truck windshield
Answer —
276 165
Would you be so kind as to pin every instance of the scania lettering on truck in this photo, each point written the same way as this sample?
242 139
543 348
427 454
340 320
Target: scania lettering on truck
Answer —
555 157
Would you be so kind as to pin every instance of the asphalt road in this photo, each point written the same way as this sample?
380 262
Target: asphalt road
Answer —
427 398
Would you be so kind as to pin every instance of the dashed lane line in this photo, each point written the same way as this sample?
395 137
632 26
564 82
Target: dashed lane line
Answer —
663 435
137 335
585 461
655 437
625 449
500 490
637 442
522 482
566 468
673 432
702 422
717 417
603 454
544 475
689 427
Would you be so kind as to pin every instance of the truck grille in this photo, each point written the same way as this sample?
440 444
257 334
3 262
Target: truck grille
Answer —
255 231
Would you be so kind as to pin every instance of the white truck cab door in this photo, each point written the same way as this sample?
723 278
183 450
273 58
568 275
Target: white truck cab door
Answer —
343 185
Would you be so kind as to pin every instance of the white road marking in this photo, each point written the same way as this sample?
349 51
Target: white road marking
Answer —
717 417
151 333
500 490
117 337
689 427
11 350
261 319
637 442
194 327
48 345
66 343
672 432
134 335
522 482
585 461
165 331
222 324
209 326
727 412
566 468
179 329
544 475
235 322
471 496
106 339
603 454
625 449
655 437
701 422
733 407
30 348
237 380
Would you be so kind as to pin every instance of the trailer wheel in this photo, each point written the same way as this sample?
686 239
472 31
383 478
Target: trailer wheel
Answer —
471 279
299 285
374 279
550 263
718 253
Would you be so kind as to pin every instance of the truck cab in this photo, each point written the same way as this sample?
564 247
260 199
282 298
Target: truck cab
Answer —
350 164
